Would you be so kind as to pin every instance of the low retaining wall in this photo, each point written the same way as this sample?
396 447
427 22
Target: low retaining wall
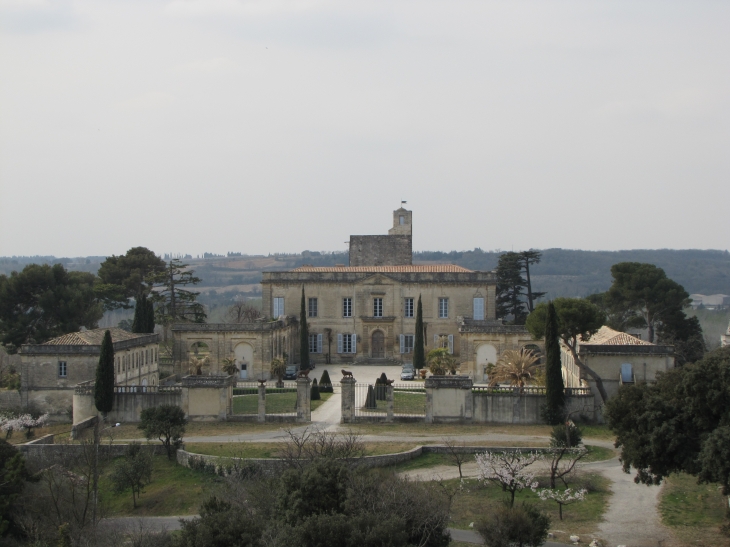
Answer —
525 408
276 465
44 455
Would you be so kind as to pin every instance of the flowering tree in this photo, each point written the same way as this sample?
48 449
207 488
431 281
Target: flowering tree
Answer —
17 423
508 469
564 497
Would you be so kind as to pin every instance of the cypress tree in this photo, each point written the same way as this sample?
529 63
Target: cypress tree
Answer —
554 387
303 336
150 316
104 387
419 357
314 391
140 320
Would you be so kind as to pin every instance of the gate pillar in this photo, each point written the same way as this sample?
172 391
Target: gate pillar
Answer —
347 386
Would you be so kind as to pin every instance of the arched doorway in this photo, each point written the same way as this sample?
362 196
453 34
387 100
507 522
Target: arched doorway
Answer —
378 345
486 354
244 359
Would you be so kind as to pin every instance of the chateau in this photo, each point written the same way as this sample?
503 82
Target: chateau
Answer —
364 312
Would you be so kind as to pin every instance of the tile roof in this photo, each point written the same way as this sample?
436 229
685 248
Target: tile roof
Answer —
606 336
436 268
92 337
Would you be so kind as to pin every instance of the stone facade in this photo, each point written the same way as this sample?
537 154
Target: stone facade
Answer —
394 249
371 303
50 371
482 342
252 345
366 311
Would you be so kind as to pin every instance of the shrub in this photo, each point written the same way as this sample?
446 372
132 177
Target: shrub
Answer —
315 391
325 384
506 526
563 435
133 471
165 422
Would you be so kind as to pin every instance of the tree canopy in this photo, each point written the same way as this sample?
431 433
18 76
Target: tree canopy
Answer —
681 423
174 301
42 302
126 276
577 318
645 290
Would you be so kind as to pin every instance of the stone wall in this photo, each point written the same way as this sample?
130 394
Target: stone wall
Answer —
390 250
9 399
128 404
525 408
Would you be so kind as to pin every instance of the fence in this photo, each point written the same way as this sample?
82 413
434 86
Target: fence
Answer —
371 402
280 402
409 400
257 401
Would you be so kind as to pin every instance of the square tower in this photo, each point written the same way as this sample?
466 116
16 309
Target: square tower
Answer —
402 223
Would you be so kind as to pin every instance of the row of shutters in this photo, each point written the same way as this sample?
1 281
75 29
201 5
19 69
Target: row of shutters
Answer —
478 310
353 344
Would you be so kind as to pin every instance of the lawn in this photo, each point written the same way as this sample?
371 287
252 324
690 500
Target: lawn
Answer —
579 518
175 490
127 432
403 403
595 453
276 403
694 512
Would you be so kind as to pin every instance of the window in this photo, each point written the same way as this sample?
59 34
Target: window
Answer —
443 308
408 310
377 307
444 341
347 307
401 220
312 310
406 343
278 306
62 369
347 343
315 343
479 309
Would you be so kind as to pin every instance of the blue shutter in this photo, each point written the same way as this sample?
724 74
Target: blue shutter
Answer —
354 343
402 343
339 343
451 343
319 343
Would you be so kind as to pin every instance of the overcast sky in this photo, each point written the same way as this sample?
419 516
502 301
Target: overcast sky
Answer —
276 126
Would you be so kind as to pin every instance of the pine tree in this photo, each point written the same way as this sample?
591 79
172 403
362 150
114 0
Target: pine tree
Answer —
419 356
511 288
303 336
554 387
104 387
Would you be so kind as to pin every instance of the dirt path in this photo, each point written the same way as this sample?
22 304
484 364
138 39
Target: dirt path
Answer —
632 517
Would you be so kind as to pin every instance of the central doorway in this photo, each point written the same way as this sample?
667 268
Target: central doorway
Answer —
378 345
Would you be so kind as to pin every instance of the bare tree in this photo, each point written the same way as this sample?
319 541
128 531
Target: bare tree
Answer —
314 443
456 453
243 312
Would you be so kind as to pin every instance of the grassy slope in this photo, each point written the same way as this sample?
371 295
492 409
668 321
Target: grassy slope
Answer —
175 490
693 511
276 403
579 518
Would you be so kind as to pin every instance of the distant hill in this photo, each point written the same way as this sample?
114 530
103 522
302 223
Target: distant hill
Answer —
562 272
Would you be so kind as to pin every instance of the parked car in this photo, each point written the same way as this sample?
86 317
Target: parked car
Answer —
291 372
408 372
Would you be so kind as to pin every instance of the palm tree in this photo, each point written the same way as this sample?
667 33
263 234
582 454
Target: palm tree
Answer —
278 368
197 364
229 366
516 367
440 362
